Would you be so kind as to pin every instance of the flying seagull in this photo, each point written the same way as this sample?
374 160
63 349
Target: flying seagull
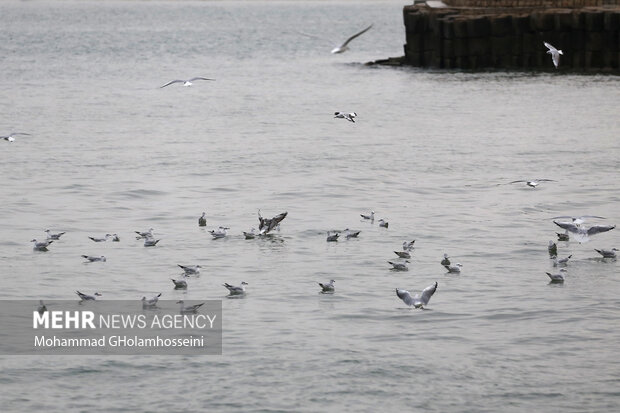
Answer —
534 182
187 82
268 224
418 300
11 136
555 54
348 116
328 287
581 233
578 220
344 46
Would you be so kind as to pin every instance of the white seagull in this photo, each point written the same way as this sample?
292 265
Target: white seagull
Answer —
42 308
403 254
534 182
92 258
607 253
150 302
189 309
578 220
561 262
42 245
555 54
251 234
557 278
408 246
187 82
383 223
150 242
145 234
348 116
454 268
11 136
101 239
221 232
581 233
202 221
86 297
236 290
418 300
351 234
267 224
179 284
344 46
53 236
399 266
190 269
327 287
370 216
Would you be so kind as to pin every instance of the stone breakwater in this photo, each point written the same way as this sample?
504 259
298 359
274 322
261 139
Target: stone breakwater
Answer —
484 34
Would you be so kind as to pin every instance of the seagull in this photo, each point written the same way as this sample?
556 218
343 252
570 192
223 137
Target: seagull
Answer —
351 234
86 297
408 246
202 221
403 254
251 234
115 238
92 258
187 82
418 301
267 224
328 287
370 216
348 116
99 239
190 269
607 253
150 302
557 278
52 236
145 234
42 308
454 268
383 223
41 246
533 183
553 249
179 284
555 54
344 46
150 242
581 233
331 237
578 220
561 262
11 136
221 232
446 260
399 266
190 308
234 290
562 237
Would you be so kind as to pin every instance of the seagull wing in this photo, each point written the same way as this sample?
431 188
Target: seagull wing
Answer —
551 48
427 293
199 78
355 35
569 226
405 296
600 228
514 182
168 84
556 58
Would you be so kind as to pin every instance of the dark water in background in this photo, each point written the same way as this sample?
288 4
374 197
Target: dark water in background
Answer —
111 152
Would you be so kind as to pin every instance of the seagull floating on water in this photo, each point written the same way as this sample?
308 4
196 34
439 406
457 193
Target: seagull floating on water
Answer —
92 258
403 254
350 234
408 246
563 237
41 245
11 136
190 269
561 262
150 302
607 253
553 249
150 242
418 300
454 268
555 54
534 182
53 236
399 266
221 232
202 221
187 82
345 46
42 308
115 238
446 260
234 290
101 239
145 234
251 234
86 297
383 223
179 284
370 216
581 233
267 224
190 308
556 278
328 287
348 116
332 236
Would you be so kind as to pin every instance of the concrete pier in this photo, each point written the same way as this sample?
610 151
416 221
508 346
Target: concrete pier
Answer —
509 34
